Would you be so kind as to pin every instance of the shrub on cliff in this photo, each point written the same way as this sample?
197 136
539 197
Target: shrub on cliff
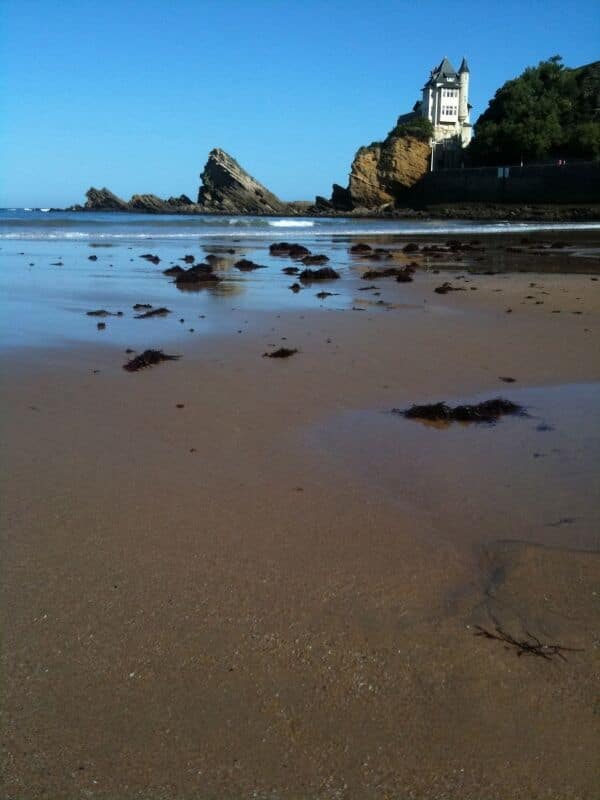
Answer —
417 128
548 111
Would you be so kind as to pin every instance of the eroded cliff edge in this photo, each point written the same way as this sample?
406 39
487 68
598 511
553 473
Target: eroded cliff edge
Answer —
383 173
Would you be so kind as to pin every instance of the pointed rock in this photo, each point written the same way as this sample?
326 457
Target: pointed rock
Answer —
228 188
103 200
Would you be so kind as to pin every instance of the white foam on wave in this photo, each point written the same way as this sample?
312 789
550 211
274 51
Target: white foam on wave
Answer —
397 229
291 223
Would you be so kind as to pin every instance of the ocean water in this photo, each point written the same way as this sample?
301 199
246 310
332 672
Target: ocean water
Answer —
48 281
46 225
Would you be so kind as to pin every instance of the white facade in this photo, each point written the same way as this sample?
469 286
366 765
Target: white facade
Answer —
445 102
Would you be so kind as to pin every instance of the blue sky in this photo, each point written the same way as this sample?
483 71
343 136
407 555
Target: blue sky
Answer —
133 95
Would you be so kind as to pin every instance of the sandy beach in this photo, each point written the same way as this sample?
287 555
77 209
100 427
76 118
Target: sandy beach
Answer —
230 576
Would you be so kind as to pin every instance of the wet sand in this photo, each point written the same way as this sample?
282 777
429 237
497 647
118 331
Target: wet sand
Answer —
272 591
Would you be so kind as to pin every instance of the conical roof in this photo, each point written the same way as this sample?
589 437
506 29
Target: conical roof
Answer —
464 67
445 69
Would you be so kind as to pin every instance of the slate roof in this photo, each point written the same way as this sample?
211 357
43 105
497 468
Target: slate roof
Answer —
445 70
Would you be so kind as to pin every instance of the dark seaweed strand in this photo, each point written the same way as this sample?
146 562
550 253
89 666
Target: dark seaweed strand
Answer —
530 646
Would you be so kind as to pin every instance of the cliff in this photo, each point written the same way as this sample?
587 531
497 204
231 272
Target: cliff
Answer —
383 172
380 173
226 187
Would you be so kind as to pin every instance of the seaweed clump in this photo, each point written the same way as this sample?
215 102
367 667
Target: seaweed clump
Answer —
154 312
282 352
323 274
314 260
487 411
196 275
402 274
245 265
148 359
289 249
447 287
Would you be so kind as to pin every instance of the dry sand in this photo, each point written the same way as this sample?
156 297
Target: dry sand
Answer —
219 601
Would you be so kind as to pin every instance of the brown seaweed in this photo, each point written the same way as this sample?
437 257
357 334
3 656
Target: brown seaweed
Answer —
487 411
282 352
155 312
447 287
531 646
147 359
196 275
245 265
102 312
176 270
314 260
287 249
323 274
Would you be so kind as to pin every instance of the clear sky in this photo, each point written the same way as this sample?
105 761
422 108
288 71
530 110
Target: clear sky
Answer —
133 94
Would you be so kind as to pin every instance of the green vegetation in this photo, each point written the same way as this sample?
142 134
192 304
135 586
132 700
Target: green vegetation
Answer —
419 128
549 111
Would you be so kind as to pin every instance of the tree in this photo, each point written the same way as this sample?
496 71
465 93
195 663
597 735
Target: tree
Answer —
547 111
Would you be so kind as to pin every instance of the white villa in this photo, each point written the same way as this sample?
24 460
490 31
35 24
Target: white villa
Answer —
445 102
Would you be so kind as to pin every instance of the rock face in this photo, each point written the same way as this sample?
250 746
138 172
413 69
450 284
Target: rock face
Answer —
382 172
340 198
103 200
182 200
227 188
149 203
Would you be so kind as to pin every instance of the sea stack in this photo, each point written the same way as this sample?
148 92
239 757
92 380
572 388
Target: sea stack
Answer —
227 188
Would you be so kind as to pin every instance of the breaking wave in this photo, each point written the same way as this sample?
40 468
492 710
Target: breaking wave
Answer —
40 225
291 223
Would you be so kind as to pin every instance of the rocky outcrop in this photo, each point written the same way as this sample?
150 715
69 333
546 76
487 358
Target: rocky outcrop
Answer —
181 201
340 198
149 203
103 200
227 188
382 173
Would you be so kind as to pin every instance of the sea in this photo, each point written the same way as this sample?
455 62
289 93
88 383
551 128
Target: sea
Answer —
55 266
37 224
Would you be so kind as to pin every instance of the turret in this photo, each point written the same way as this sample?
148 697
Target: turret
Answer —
463 95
